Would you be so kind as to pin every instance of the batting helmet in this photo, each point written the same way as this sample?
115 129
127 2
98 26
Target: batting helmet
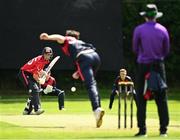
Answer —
47 50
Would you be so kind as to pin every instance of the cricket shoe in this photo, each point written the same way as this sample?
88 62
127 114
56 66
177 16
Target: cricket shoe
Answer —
141 134
62 109
99 113
38 112
27 113
163 134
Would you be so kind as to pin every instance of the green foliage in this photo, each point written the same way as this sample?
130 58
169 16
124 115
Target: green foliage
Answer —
171 20
131 18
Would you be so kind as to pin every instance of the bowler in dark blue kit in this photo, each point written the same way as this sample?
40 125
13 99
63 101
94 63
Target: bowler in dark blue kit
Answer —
87 62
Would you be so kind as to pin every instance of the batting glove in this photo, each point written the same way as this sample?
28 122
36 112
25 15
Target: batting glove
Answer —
48 89
42 80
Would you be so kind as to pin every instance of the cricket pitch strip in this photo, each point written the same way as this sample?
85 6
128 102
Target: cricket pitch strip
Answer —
57 122
69 122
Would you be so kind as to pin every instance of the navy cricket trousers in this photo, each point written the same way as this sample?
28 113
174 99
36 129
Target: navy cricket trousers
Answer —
33 89
160 98
88 65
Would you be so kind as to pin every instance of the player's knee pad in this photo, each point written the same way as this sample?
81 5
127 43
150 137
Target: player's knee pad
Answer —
59 92
62 92
34 88
61 95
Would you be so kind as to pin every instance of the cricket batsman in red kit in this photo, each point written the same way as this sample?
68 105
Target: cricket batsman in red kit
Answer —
33 76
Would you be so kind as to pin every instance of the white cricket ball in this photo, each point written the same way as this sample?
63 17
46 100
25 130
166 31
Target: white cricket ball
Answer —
73 89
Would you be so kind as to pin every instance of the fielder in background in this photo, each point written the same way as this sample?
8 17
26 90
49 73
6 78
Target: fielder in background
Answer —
50 87
122 77
33 76
151 45
87 62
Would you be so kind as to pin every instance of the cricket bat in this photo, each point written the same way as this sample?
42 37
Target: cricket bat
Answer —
52 64
47 70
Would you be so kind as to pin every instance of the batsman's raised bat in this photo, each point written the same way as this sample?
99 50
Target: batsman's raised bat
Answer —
52 64
43 78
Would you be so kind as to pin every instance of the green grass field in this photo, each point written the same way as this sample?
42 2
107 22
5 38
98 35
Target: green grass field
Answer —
77 121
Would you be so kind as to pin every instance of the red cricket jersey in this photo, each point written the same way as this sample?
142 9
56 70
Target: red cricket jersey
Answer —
65 47
35 65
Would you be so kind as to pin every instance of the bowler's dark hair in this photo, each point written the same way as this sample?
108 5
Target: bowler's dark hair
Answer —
73 33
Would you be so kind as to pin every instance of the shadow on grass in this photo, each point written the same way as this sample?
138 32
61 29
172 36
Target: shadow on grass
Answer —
62 127
175 126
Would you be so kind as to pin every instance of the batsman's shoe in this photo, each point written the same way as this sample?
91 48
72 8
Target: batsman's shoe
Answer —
39 112
99 113
27 113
